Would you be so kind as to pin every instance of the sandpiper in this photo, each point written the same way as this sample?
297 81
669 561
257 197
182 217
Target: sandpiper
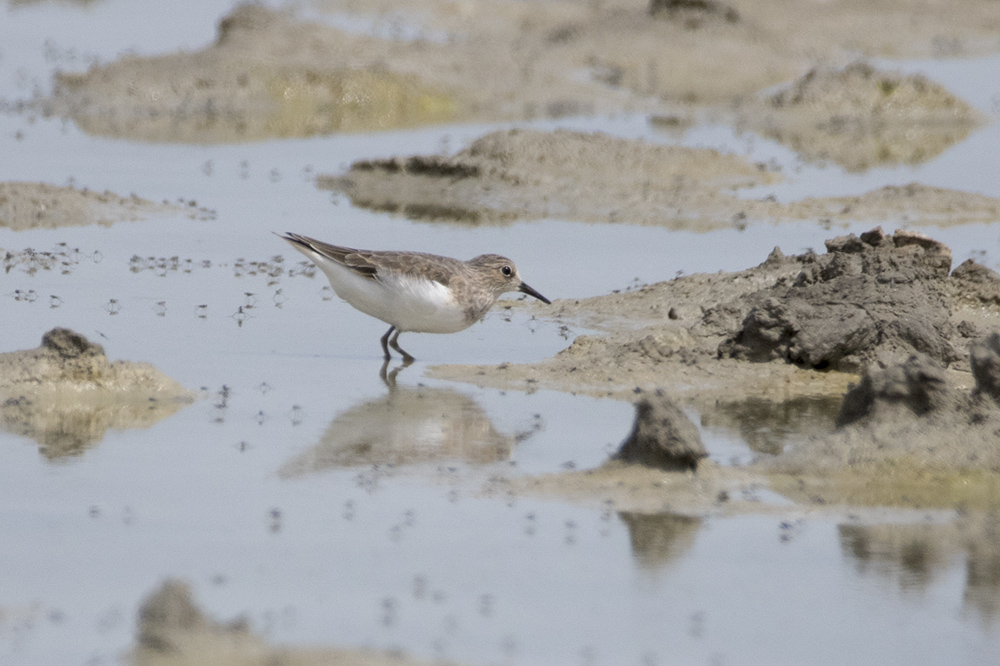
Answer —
413 291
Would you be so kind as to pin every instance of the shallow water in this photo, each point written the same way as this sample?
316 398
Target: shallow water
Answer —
221 494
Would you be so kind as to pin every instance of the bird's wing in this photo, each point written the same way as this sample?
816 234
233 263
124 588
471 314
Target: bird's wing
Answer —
378 265
357 260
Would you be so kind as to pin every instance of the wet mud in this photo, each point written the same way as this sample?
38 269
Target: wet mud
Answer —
66 394
524 174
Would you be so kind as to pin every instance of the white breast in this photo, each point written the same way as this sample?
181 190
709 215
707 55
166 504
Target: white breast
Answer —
409 304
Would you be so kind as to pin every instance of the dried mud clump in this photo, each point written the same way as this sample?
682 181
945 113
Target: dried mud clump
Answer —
859 117
877 298
66 394
662 436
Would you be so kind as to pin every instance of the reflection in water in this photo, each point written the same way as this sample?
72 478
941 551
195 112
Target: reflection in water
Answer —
68 425
913 555
659 538
271 102
858 147
407 426
765 425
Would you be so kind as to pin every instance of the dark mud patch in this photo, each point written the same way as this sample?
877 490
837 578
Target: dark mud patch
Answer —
859 117
66 394
526 174
39 205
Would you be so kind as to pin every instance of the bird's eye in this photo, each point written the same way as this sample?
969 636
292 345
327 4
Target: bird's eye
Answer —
507 272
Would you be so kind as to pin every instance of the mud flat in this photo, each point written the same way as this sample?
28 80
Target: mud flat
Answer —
269 74
66 394
40 205
525 174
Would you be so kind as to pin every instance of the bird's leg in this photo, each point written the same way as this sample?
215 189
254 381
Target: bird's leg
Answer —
407 359
385 342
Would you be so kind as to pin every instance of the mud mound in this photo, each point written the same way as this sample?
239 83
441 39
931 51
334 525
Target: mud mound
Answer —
525 174
662 436
873 298
529 174
66 394
859 117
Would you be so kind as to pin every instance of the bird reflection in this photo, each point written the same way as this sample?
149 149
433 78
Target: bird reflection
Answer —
407 426
390 377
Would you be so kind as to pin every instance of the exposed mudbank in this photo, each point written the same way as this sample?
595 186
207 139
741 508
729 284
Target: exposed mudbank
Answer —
662 436
65 394
39 205
793 331
173 631
874 299
526 174
859 117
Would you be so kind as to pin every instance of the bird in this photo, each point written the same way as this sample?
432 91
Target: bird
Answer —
414 291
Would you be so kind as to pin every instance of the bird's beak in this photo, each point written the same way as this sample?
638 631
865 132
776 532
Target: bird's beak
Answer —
531 292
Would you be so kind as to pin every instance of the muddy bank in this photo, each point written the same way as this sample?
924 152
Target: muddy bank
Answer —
787 338
40 205
861 118
526 174
874 299
66 394
271 75
173 631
